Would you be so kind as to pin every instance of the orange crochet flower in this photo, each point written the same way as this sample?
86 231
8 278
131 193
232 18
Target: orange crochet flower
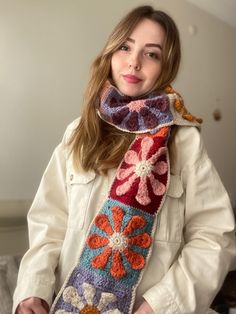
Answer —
118 242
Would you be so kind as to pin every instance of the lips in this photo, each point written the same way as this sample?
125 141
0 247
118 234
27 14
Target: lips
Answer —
131 79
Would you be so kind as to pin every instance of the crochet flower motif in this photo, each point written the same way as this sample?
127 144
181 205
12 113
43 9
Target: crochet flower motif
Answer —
85 304
143 168
134 115
117 242
138 113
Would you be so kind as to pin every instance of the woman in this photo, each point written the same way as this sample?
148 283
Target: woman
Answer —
117 226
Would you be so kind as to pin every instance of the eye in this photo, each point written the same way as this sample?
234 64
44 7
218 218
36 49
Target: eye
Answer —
124 47
153 55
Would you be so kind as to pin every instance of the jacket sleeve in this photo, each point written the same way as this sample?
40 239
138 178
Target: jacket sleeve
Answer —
209 237
47 221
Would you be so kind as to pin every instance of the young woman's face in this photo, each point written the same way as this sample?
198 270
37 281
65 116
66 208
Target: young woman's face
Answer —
136 65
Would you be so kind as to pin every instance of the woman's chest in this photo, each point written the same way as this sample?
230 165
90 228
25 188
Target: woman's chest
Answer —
87 192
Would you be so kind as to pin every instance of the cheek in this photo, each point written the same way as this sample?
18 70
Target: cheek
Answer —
114 65
155 73
113 72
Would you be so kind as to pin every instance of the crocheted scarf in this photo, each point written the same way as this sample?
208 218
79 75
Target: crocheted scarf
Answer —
119 241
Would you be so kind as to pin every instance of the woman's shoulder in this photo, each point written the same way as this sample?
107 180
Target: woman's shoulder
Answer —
70 129
189 146
188 136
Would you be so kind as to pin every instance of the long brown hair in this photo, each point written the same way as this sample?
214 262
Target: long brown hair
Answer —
95 144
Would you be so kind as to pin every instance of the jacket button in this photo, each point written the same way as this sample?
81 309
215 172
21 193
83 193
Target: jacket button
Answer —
71 177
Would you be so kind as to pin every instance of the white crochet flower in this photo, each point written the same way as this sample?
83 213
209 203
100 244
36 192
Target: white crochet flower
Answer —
71 296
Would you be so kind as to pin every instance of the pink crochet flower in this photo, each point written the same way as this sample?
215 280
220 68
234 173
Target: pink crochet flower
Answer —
143 169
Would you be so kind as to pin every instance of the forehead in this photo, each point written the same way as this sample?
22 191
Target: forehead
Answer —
148 31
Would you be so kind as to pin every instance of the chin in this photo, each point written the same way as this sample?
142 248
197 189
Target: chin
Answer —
130 93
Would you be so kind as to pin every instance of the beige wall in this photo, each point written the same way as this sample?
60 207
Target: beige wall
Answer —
46 48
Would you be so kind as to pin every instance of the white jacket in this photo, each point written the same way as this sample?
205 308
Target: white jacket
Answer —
194 243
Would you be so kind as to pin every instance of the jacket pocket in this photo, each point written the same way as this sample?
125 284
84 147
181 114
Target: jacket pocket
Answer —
171 218
79 187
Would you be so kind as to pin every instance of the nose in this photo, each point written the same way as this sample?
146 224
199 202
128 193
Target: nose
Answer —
134 62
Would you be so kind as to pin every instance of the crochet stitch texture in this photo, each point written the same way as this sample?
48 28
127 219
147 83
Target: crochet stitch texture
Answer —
119 241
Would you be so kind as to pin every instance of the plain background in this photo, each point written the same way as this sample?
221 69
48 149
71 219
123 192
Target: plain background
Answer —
46 48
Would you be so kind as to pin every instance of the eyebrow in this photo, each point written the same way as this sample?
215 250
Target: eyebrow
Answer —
146 45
